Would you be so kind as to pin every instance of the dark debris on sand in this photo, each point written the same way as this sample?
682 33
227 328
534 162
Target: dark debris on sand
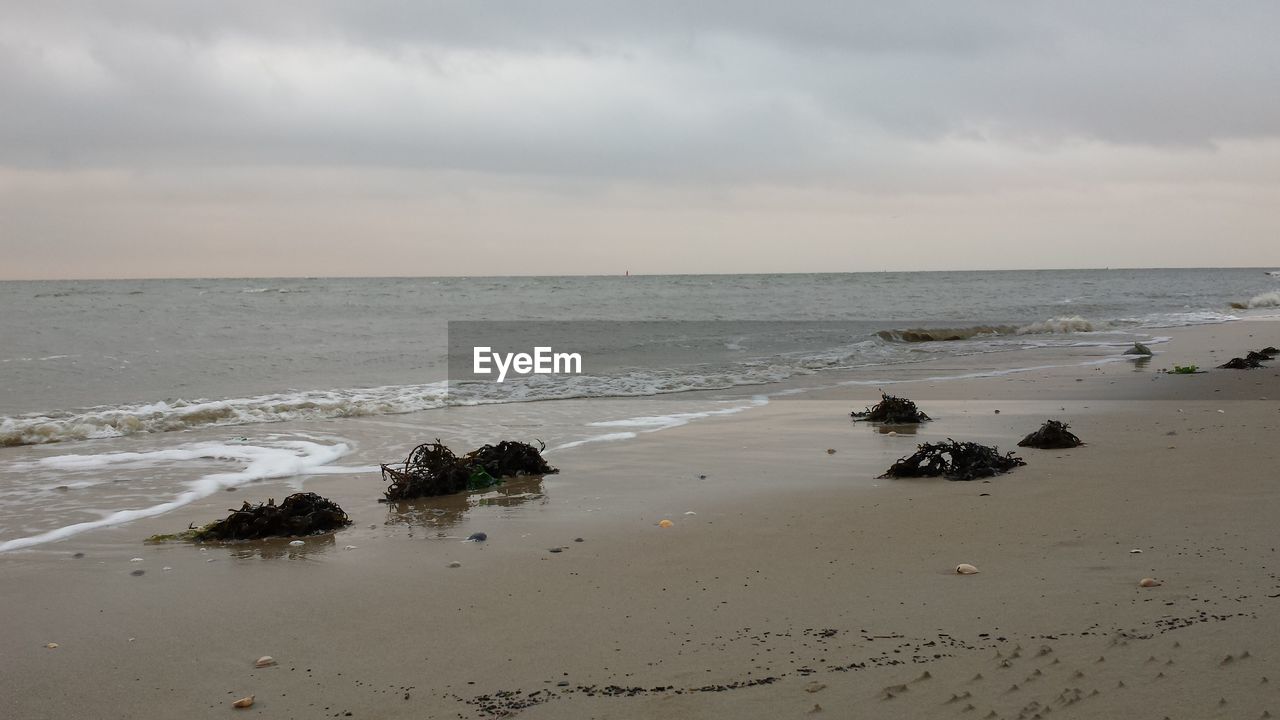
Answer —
1052 435
892 410
432 469
1254 359
299 514
954 461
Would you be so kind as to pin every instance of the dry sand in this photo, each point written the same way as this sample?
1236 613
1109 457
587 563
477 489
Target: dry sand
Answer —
802 587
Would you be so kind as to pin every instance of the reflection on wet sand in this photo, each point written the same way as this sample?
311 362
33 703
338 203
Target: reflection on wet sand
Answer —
278 548
904 429
449 510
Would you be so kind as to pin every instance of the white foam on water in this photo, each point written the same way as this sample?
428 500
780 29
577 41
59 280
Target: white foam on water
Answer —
654 423
1265 300
269 460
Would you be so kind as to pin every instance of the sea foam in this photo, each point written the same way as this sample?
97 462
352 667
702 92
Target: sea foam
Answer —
268 460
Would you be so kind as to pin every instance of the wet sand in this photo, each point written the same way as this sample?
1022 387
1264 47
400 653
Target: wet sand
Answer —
802 585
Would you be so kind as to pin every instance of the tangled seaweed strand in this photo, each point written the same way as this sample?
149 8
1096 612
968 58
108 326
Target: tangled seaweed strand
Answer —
1052 435
511 459
299 514
1254 359
892 410
954 461
432 469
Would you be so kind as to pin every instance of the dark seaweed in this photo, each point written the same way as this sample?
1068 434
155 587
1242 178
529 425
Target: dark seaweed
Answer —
892 410
1052 435
954 461
432 469
299 514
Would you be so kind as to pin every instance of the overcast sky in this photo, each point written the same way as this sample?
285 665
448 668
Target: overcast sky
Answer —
162 138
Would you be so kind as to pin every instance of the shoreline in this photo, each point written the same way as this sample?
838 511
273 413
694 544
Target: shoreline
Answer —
788 543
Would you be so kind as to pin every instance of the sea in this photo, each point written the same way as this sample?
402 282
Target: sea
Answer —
126 399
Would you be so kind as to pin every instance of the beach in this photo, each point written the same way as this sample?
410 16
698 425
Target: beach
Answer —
793 581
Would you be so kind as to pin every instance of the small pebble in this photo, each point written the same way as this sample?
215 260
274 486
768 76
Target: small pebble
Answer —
478 537
455 564
136 573
578 540
78 555
555 549
51 646
665 524
831 451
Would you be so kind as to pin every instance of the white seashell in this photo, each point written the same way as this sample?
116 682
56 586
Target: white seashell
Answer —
966 569
51 646
297 543
265 661
691 513
1149 582
243 702
166 568
349 547
135 560
892 433
1134 551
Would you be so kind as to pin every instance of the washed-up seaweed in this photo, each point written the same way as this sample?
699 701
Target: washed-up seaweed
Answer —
298 515
511 459
432 469
1052 435
892 410
1253 359
954 461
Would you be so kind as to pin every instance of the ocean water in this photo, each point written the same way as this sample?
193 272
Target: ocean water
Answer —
189 386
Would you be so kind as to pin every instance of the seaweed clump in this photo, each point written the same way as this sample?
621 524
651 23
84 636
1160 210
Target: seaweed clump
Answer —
433 469
299 514
1052 435
1254 359
954 461
892 410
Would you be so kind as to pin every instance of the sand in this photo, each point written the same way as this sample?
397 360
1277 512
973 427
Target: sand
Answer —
802 585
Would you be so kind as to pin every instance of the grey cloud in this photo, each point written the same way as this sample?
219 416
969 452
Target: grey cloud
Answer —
724 91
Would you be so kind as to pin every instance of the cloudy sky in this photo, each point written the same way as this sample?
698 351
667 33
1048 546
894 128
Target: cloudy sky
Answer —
383 137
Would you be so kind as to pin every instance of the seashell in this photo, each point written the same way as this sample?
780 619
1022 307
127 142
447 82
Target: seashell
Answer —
52 646
265 661
1134 551
349 547
691 513
294 543
135 559
166 568
966 569
1149 582
243 702
665 524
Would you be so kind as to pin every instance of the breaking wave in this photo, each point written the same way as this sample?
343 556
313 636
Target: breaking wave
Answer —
1262 300
1051 326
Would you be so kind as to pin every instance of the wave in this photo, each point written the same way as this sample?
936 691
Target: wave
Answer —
970 332
269 460
1261 300
117 421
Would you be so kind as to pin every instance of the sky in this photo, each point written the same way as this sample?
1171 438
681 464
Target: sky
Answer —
385 137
